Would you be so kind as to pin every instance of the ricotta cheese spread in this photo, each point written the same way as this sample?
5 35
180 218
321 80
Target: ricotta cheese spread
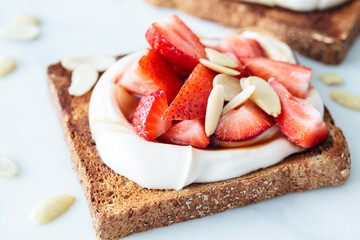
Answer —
300 5
166 166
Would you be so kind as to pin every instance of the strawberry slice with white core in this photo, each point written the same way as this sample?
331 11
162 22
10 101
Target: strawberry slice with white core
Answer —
187 132
243 123
191 101
299 121
176 43
294 77
148 74
241 46
147 119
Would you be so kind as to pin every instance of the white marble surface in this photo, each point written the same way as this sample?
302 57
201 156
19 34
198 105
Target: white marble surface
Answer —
30 132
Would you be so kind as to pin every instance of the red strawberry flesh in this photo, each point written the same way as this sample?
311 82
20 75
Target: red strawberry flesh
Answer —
243 123
176 43
294 77
148 74
241 46
187 132
191 101
299 121
243 71
147 119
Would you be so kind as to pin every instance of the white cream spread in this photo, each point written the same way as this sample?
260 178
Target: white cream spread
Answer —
167 166
300 5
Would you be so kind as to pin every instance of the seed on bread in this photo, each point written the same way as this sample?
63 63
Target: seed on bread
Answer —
346 99
220 58
330 78
264 96
231 85
239 99
100 63
51 208
7 65
83 79
7 167
20 32
25 19
218 68
214 108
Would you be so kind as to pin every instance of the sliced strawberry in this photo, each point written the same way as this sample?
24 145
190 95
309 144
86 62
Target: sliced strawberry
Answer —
187 132
147 119
148 74
191 101
243 71
299 121
241 46
243 123
295 78
176 43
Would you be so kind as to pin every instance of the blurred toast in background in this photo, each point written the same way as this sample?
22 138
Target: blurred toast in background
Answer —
325 36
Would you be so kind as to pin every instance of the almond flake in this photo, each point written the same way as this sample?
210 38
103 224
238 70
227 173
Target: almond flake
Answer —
218 68
231 85
239 99
20 32
100 63
219 58
346 99
7 65
7 167
51 208
330 78
210 42
23 18
83 79
264 96
213 110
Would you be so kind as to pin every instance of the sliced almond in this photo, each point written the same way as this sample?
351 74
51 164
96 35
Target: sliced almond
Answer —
7 167
219 58
51 208
7 65
23 18
273 47
330 78
231 85
239 99
83 79
20 32
213 110
218 68
264 96
210 42
346 99
100 63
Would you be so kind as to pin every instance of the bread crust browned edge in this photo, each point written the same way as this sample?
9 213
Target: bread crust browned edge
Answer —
120 207
324 36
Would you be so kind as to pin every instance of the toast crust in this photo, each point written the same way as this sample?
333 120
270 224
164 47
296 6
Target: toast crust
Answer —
325 36
120 207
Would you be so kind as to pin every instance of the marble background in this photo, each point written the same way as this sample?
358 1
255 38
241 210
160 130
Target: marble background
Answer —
30 132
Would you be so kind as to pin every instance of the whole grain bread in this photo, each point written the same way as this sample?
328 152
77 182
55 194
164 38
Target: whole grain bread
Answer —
120 207
325 35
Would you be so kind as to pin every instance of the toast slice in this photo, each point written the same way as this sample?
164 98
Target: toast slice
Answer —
325 36
120 207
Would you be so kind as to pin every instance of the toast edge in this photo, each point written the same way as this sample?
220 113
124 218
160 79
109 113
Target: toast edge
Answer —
332 168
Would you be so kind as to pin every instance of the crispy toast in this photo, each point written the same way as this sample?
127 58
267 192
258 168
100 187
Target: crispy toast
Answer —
325 36
120 207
